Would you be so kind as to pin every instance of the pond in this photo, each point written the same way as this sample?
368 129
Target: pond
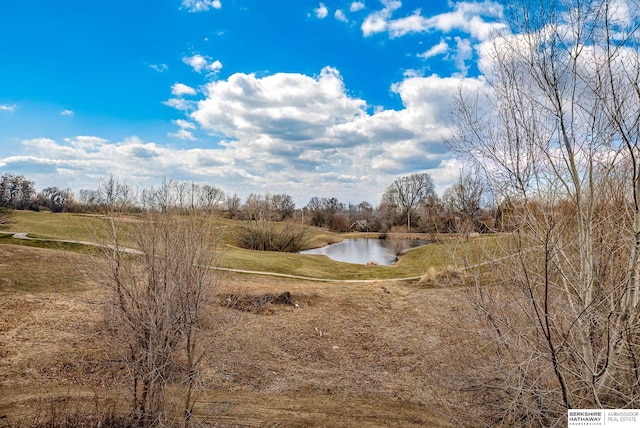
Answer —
364 251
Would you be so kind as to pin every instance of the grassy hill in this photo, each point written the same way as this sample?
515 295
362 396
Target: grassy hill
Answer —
81 227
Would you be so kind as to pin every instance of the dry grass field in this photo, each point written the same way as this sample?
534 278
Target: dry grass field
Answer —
351 354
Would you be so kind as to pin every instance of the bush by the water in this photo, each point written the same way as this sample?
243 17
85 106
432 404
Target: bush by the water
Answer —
273 236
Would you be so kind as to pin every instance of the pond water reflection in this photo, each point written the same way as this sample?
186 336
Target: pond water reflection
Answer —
363 251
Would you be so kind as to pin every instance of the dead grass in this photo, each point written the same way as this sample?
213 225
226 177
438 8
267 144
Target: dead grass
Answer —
441 278
40 270
367 355
264 303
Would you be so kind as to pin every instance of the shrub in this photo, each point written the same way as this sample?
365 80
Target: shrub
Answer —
265 235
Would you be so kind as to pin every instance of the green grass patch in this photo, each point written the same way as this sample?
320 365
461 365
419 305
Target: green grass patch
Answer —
416 262
89 227
44 243
413 263
50 225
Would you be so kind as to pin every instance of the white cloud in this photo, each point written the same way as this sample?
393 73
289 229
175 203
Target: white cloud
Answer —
285 132
86 143
82 162
180 89
66 113
340 16
160 68
446 174
624 13
410 72
201 5
414 23
421 127
465 29
180 104
377 22
184 124
464 53
10 108
307 130
321 11
281 106
356 6
182 134
215 66
471 18
197 62
438 49
474 18
201 63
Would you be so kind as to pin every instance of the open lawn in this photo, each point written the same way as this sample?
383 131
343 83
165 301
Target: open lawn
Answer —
87 227
368 354
412 264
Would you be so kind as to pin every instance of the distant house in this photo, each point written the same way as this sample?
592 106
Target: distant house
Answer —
360 226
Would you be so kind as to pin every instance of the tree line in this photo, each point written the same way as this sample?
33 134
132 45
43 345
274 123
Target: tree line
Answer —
410 203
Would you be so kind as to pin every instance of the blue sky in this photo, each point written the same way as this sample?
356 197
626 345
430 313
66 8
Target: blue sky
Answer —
333 98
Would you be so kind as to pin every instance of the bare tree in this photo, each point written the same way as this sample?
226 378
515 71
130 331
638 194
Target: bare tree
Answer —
433 216
464 201
283 205
466 195
163 198
556 131
232 204
16 191
210 198
57 200
327 212
159 299
256 208
272 207
115 196
406 194
90 198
